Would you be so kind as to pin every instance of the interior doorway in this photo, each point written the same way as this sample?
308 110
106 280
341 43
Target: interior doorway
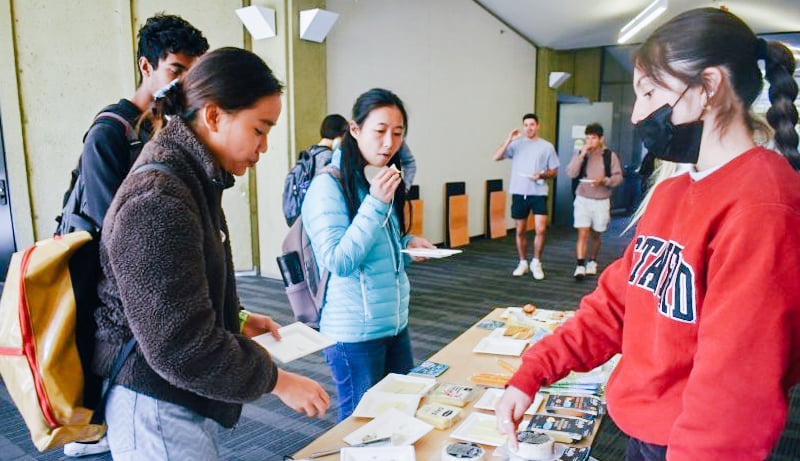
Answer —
572 120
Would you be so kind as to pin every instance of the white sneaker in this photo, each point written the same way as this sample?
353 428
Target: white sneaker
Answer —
580 272
536 269
522 269
591 268
76 449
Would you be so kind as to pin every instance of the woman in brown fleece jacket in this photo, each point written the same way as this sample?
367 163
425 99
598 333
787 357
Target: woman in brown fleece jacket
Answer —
169 281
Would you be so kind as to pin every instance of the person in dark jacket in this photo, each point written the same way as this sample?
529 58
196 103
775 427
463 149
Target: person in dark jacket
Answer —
169 280
168 46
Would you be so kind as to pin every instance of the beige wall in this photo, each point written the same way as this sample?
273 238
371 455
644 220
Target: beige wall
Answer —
301 66
466 82
465 78
61 78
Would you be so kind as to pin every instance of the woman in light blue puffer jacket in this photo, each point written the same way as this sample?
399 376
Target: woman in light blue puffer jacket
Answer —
357 229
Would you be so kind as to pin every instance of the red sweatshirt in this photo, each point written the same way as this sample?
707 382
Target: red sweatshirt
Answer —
705 308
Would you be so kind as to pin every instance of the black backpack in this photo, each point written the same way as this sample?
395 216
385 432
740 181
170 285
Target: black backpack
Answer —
84 265
606 165
309 162
73 216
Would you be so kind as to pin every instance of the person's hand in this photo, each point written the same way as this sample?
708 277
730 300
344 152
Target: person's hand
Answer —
514 133
384 184
509 411
258 324
301 394
419 242
599 182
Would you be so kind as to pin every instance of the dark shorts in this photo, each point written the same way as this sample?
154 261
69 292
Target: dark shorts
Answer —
523 205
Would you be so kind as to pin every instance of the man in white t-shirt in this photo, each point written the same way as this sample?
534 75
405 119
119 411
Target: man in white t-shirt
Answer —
533 160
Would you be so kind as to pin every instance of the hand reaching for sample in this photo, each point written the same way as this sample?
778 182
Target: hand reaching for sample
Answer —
384 184
301 394
509 411
258 324
419 242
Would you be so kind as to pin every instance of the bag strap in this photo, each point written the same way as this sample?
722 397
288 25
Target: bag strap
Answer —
607 162
99 414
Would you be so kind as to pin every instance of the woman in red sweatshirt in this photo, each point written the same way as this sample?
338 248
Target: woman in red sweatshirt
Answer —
704 305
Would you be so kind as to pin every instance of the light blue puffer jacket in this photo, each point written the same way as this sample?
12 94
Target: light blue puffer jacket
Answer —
368 291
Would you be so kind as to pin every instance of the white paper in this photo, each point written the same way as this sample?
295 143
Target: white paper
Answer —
586 180
374 403
431 252
539 315
491 396
297 340
496 343
479 428
404 453
404 384
402 428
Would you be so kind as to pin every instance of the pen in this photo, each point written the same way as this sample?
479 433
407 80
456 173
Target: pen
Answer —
320 454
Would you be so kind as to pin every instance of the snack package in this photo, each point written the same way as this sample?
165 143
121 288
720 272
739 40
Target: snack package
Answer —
453 394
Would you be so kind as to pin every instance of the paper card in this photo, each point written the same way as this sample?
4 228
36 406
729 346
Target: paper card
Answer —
404 384
479 428
496 343
491 396
405 453
433 253
539 315
375 403
429 368
297 340
402 428
489 324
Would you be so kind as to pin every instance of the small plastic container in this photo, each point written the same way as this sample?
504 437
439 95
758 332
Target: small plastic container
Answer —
535 445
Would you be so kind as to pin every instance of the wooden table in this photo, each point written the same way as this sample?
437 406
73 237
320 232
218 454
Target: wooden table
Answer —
463 363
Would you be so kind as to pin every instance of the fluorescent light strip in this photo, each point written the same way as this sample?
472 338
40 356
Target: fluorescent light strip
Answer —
642 19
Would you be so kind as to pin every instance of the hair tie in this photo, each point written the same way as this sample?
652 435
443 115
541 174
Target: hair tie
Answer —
761 48
163 92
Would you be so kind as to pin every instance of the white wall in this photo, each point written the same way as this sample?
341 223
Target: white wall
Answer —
465 78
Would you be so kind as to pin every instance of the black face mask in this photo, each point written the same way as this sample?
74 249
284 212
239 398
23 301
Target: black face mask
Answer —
666 141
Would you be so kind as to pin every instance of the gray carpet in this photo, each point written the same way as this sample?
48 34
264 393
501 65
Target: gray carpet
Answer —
447 297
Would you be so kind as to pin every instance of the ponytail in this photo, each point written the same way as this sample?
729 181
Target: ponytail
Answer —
167 102
782 114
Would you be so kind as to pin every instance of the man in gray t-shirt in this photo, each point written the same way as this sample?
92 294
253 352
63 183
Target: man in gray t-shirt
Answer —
533 160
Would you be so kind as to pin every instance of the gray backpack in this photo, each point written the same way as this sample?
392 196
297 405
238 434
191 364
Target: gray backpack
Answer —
304 281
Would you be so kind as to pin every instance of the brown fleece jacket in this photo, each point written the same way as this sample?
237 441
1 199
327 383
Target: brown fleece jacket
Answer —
168 280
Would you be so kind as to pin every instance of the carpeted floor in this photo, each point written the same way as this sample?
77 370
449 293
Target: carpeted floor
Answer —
447 297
